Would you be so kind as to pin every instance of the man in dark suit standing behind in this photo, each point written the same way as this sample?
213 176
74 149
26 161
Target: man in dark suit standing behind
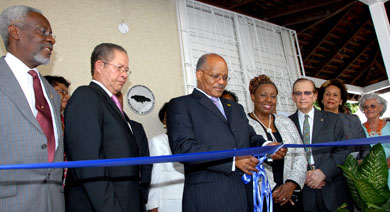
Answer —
30 124
325 187
202 122
97 128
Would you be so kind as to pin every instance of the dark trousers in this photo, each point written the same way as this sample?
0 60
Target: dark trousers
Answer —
320 205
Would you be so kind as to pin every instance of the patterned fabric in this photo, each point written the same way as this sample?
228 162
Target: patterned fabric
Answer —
295 164
306 137
219 106
44 115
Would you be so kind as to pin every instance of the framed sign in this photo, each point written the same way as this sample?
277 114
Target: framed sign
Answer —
140 99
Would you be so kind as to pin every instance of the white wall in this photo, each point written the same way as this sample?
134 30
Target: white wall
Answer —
152 44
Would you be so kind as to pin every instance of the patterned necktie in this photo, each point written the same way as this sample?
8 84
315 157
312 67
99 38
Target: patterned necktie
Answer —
306 138
219 106
44 115
118 104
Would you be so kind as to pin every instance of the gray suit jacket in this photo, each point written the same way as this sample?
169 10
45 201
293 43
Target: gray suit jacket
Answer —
327 127
23 141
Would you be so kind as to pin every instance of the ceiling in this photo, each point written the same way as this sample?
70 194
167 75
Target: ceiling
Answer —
336 37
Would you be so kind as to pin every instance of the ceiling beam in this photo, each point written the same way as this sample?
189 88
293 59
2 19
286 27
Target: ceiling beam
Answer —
328 34
305 18
377 86
351 88
364 69
242 3
326 18
357 57
299 7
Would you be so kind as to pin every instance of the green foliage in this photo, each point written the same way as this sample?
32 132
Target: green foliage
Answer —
354 107
342 208
367 182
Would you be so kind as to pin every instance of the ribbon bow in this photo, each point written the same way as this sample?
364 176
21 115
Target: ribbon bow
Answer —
260 193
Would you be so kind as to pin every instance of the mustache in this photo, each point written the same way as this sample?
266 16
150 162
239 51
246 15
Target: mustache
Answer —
49 45
219 86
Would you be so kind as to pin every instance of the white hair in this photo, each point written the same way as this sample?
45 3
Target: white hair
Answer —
375 96
10 15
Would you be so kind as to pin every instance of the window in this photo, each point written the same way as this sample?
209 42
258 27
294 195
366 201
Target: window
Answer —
250 47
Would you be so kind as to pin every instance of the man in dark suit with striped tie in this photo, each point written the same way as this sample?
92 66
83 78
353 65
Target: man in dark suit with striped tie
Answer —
325 187
202 122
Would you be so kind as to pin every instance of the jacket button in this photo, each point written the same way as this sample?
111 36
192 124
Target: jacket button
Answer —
43 146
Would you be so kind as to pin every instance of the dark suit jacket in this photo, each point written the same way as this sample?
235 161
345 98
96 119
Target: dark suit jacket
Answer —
96 129
354 130
327 127
196 125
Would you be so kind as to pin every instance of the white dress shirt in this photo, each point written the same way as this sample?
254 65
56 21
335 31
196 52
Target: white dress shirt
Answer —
25 80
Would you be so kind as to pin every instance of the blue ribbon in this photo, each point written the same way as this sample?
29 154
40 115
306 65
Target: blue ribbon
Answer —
260 152
260 193
215 155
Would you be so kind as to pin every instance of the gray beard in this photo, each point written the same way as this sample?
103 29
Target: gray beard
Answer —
40 59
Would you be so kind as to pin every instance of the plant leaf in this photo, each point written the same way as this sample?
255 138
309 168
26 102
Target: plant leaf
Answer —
374 170
350 169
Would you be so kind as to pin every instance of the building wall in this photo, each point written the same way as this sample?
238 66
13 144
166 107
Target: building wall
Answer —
152 44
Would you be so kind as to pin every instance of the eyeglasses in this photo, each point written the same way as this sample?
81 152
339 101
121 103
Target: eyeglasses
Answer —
41 30
217 77
120 68
299 93
366 107
63 92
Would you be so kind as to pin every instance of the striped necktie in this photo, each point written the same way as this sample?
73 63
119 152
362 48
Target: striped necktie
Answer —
306 138
219 106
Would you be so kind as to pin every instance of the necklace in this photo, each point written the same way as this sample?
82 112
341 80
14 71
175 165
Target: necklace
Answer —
378 131
268 129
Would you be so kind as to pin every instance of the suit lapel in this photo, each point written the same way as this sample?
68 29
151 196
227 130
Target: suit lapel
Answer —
207 103
54 104
108 100
317 124
11 87
227 108
294 118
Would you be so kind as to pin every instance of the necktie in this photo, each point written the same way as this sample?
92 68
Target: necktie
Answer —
306 137
118 104
44 115
219 106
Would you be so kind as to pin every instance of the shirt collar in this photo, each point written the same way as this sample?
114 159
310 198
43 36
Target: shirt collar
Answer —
104 88
16 64
203 93
301 115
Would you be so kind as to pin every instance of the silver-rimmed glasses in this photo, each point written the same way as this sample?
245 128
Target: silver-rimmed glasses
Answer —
119 67
217 77
41 30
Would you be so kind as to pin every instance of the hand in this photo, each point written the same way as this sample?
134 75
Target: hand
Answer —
280 153
315 179
153 210
282 194
247 164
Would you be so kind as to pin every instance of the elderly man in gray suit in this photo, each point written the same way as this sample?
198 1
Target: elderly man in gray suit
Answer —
30 125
